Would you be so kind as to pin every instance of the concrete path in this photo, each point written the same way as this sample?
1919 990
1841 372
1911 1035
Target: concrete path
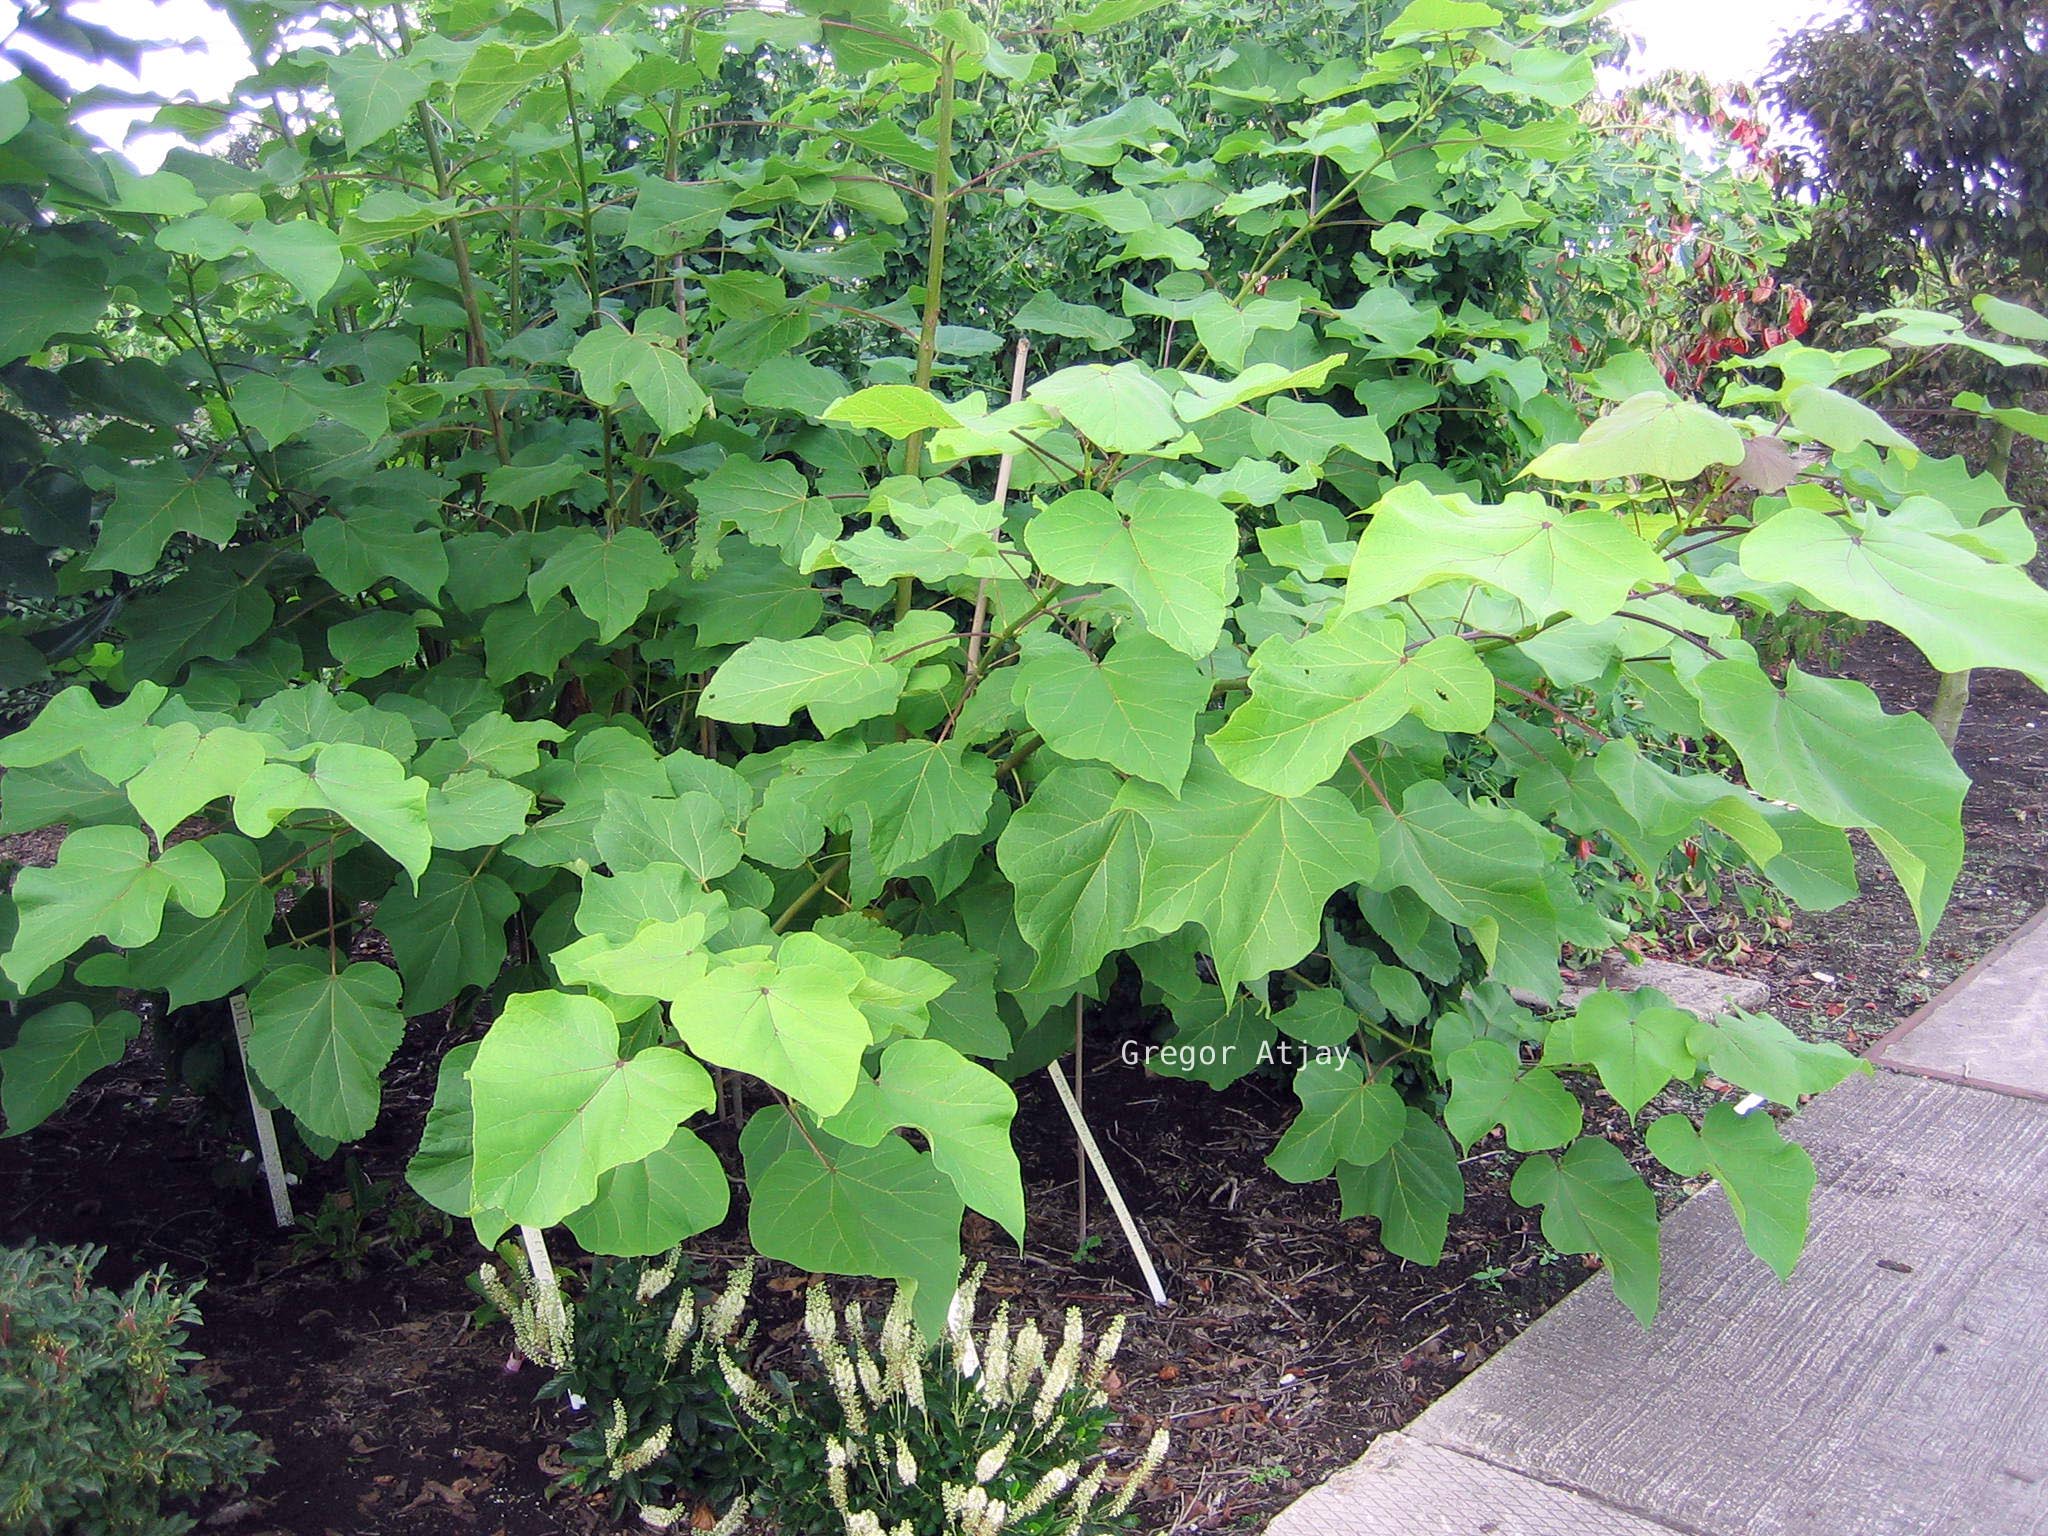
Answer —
1897 1385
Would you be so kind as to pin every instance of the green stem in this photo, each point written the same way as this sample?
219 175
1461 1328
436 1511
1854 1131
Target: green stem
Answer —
934 268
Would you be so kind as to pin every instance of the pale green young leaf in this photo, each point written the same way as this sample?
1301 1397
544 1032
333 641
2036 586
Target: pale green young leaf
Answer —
191 769
1654 433
1828 747
198 959
1120 407
790 1020
1315 698
365 786
1583 563
497 72
839 681
105 885
304 253
115 742
475 809
647 1207
1962 610
894 409
556 1107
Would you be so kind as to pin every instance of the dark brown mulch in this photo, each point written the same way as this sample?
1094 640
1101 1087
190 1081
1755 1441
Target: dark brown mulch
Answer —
1292 1338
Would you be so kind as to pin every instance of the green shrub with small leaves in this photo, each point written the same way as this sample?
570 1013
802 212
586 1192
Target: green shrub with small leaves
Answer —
995 1431
103 1430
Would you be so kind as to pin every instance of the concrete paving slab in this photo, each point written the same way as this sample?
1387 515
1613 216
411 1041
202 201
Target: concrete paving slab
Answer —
1989 1029
1405 1487
1897 1385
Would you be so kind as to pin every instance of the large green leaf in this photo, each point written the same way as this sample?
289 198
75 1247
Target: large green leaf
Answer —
1314 698
903 801
1756 1052
789 1020
320 1038
649 1206
1414 1190
365 786
1169 550
1073 853
1636 1041
1654 433
1828 747
1769 1180
1345 1118
1582 563
1492 1086
838 1209
1962 610
192 769
105 885
962 1109
610 575
839 681
1481 865
198 959
155 501
1593 1202
557 1107
1118 407
1133 707
55 1051
449 933
1253 869
374 93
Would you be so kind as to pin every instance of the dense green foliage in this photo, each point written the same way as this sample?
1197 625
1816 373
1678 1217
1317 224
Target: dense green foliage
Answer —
107 1433
550 502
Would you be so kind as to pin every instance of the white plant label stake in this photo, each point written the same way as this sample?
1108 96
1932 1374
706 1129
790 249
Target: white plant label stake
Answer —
266 1127
1116 1196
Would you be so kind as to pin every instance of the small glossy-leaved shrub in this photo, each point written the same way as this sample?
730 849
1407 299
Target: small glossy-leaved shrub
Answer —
102 1430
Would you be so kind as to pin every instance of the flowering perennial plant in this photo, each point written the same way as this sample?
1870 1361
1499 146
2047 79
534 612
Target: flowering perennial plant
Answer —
996 1432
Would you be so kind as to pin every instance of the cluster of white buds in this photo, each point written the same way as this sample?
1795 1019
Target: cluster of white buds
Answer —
960 1323
971 1512
902 1347
1105 1351
643 1455
840 1373
615 1430
682 1322
1048 1487
1155 1453
541 1326
749 1395
995 1358
1027 1359
667 1519
994 1458
656 1278
723 1315
1060 1374
835 1477
906 1464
